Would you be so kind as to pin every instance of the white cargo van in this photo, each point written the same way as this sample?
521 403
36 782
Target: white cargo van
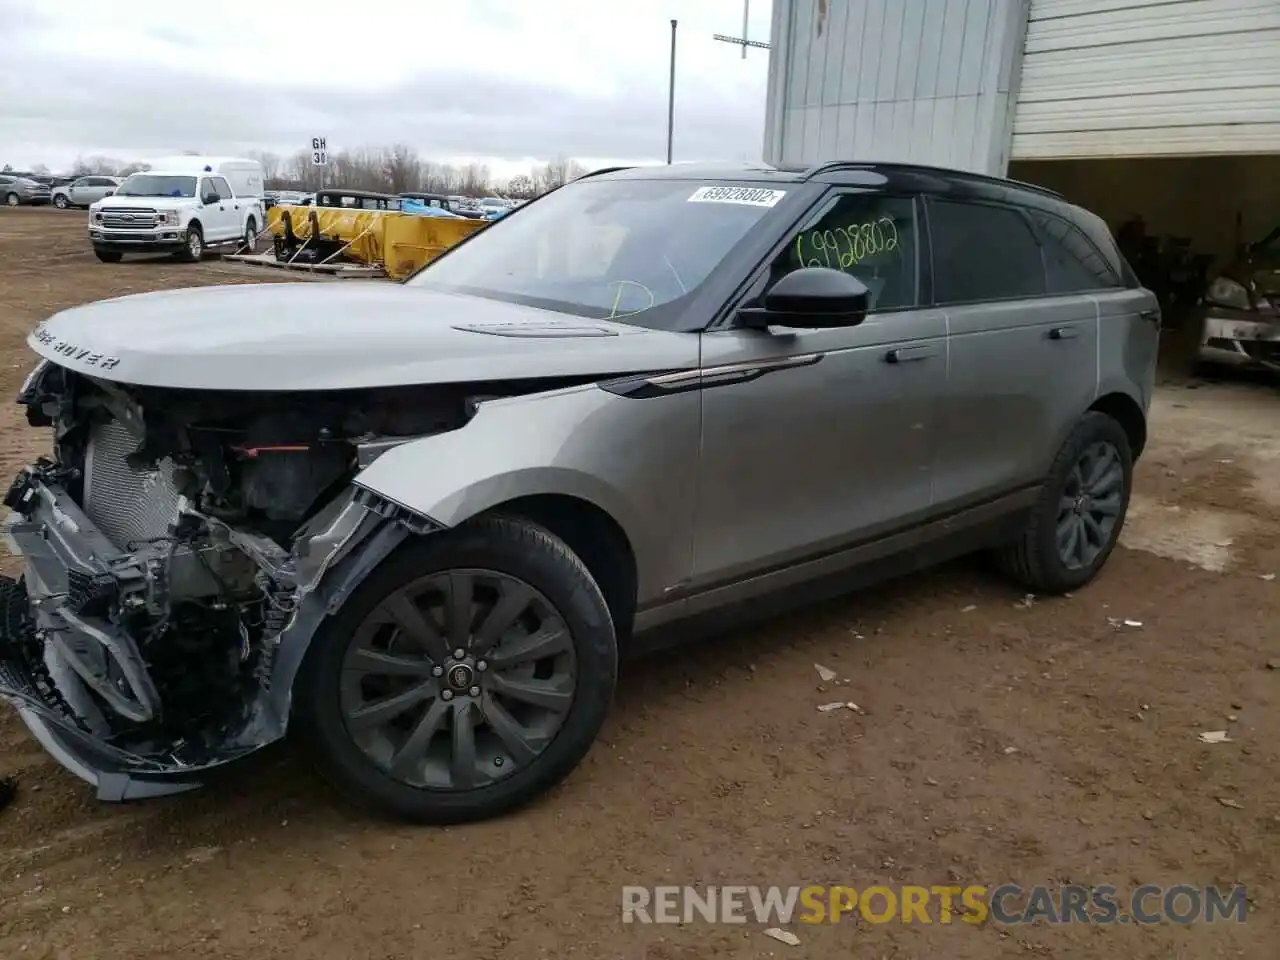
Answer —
181 205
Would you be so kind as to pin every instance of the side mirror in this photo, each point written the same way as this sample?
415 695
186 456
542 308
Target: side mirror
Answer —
811 297
209 199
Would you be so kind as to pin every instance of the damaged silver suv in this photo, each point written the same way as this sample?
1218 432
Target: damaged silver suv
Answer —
414 525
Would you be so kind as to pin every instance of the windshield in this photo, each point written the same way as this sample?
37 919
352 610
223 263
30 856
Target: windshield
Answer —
151 185
617 249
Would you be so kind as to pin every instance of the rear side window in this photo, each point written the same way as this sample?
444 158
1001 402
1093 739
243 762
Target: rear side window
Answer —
223 188
983 252
1072 263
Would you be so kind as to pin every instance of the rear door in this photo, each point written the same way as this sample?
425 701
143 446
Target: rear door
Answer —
1023 356
816 440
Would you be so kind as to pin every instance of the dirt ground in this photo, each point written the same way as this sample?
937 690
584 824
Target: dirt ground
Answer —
1000 740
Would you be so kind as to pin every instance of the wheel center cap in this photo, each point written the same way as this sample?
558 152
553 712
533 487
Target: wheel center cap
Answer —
460 677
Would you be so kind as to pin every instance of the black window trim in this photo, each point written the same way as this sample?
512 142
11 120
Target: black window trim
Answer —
1117 285
821 206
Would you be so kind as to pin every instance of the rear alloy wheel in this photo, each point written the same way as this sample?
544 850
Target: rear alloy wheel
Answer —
468 674
61 202
192 245
1077 521
12 199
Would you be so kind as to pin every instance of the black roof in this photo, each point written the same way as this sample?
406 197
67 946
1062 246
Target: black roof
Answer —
858 172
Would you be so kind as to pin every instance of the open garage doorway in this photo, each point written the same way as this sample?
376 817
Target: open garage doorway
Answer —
1183 222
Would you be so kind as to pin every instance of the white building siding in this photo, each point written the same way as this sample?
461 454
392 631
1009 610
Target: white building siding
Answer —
924 81
1149 78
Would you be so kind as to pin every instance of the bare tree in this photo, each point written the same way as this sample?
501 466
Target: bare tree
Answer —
401 168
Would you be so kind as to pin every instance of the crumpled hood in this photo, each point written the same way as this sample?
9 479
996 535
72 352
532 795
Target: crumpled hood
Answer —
335 336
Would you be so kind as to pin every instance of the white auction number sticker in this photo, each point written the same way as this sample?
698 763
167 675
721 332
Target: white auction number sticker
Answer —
751 196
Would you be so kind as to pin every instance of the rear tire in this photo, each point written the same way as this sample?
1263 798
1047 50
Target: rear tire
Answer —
1076 523
12 199
473 737
61 201
108 256
250 239
192 245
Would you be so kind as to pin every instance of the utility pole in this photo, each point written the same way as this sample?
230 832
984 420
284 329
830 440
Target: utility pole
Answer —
742 41
671 92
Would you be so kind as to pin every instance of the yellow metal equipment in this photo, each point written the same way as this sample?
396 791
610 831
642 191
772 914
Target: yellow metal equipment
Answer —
398 242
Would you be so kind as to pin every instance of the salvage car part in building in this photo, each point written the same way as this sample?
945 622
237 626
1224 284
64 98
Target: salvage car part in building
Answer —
417 524
1240 325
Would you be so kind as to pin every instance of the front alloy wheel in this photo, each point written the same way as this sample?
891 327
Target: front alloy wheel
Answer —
458 680
470 672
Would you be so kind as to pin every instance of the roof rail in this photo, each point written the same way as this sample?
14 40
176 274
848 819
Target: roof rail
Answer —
832 166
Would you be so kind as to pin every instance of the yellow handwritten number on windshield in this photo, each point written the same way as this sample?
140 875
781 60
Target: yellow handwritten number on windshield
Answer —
846 247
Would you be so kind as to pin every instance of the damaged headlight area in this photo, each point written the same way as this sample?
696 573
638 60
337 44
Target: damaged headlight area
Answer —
180 548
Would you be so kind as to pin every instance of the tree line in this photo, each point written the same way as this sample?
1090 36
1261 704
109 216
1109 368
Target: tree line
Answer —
395 169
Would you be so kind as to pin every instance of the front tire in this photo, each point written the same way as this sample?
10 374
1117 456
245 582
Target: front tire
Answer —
192 244
12 199
61 202
467 675
1077 521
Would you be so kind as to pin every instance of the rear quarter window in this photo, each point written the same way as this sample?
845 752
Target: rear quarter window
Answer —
983 251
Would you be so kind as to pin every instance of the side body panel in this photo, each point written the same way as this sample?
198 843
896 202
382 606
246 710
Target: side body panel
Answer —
1020 372
636 459
806 459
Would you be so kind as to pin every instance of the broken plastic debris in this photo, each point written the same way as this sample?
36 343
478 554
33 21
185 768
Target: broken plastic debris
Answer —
1026 601
1117 622
970 608
1009 751
783 936
1228 802
1133 623
828 707
825 674
1266 576
1214 736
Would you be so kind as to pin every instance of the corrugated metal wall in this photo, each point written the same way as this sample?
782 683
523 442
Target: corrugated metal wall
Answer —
927 81
1149 78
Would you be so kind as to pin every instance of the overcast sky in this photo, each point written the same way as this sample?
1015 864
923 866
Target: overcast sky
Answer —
506 82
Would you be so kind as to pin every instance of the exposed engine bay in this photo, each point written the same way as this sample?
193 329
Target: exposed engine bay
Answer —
207 516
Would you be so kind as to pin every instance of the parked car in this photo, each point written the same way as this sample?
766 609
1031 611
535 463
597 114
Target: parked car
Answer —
417 524
84 192
1240 324
183 208
16 191
355 199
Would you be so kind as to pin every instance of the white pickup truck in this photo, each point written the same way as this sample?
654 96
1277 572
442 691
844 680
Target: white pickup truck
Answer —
181 205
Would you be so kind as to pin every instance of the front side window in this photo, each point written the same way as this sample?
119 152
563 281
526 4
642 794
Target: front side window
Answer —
983 252
152 185
870 236
222 187
621 249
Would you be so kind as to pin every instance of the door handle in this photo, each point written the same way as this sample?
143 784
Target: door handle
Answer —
908 354
1151 316
1063 333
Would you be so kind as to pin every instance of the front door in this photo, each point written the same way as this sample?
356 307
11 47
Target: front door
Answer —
814 440
216 215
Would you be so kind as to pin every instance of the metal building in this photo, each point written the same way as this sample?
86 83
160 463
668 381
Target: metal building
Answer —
1165 110
980 83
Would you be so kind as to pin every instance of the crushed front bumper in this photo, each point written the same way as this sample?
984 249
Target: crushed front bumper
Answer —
1240 339
42 631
